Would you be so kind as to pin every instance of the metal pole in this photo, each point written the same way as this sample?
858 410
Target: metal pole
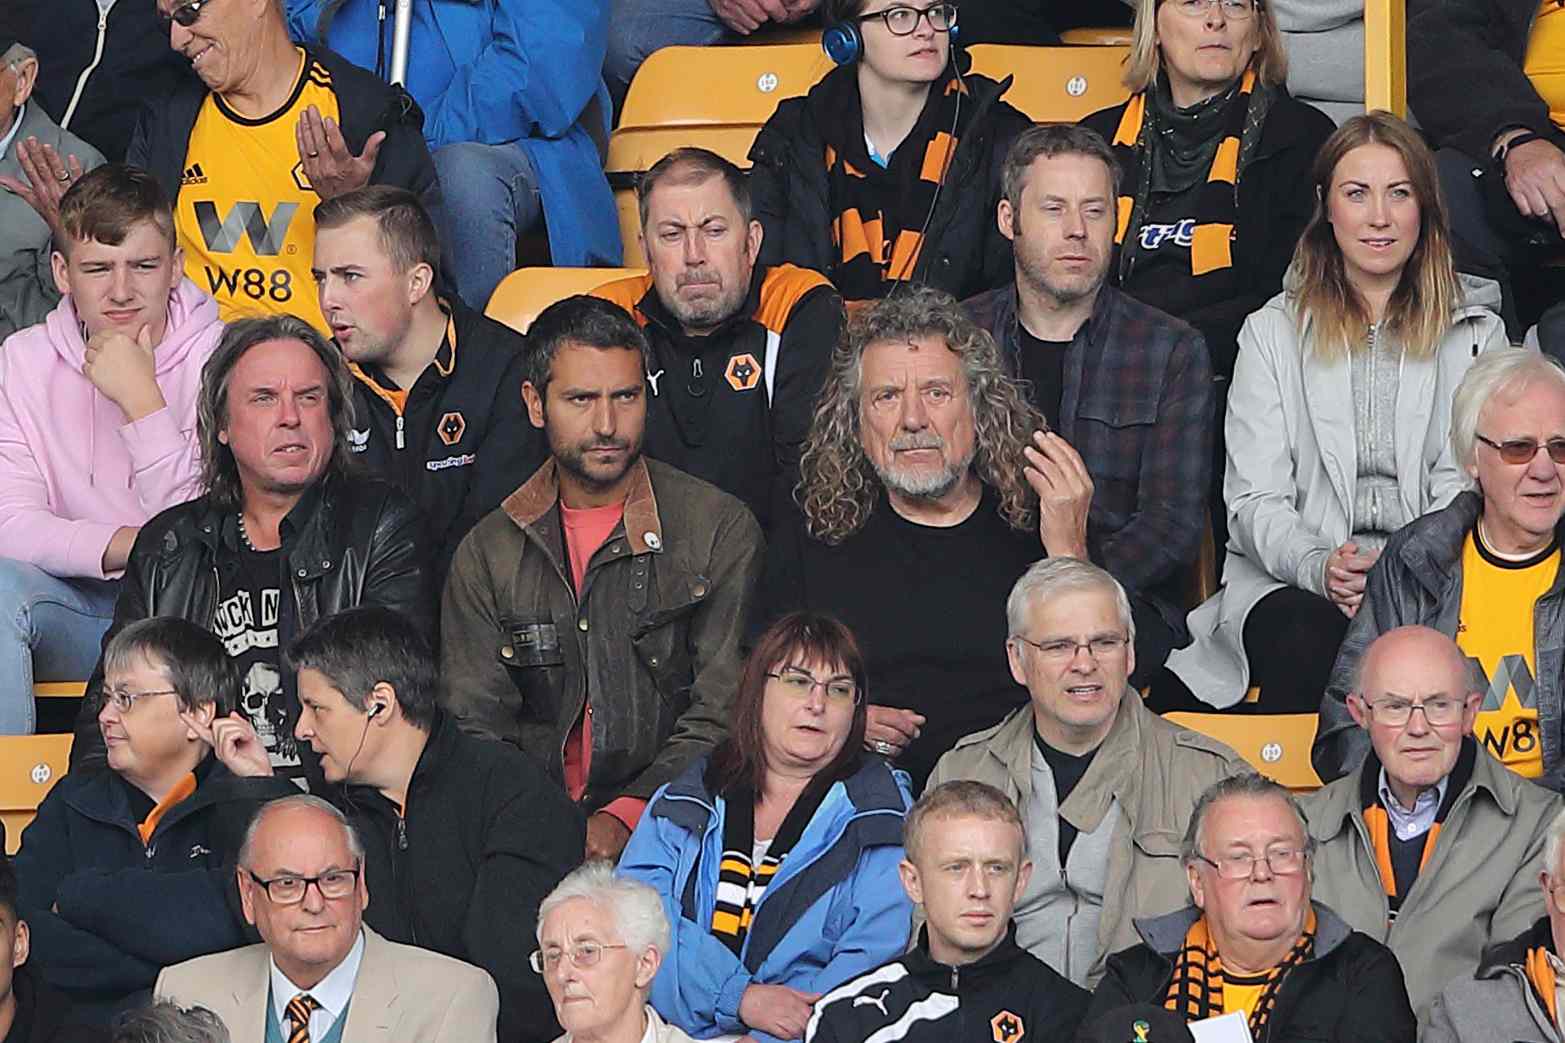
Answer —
401 27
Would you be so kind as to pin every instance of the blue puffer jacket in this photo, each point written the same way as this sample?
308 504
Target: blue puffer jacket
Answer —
834 910
494 71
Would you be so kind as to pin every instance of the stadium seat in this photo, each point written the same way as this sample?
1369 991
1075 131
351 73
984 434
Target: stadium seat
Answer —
1276 745
1097 36
1385 55
59 689
527 291
29 766
1055 84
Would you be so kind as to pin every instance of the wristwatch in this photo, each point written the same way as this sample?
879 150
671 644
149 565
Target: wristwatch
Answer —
1521 139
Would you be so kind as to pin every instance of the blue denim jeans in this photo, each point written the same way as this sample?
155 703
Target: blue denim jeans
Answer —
50 629
488 200
639 27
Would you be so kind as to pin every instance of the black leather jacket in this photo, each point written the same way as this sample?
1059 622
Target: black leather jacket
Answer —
352 540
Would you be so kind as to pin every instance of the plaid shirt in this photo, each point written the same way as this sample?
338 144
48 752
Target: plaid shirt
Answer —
1137 405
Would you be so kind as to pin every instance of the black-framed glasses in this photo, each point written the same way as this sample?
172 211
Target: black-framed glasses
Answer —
1099 647
1280 861
1440 711
800 683
185 14
1522 450
902 20
124 700
289 890
1233 10
582 954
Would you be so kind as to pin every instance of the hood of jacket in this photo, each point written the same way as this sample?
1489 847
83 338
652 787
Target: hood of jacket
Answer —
190 314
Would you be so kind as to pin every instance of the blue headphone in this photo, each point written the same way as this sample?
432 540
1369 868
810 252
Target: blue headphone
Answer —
843 44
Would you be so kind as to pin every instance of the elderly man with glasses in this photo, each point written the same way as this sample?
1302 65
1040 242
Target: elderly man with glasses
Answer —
319 974
1485 571
127 870
1431 847
1104 785
1253 942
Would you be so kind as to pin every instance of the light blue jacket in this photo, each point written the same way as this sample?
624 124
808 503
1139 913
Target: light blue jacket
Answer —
497 71
834 910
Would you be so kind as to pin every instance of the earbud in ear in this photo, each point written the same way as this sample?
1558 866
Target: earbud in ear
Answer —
377 708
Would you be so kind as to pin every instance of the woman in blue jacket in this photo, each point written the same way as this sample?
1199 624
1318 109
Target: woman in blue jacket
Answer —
777 856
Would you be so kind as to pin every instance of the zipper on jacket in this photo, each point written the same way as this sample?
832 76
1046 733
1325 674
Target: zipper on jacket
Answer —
954 972
92 66
1070 918
401 441
402 833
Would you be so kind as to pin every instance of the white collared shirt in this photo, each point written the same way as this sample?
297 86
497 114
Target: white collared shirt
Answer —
332 992
10 135
1408 823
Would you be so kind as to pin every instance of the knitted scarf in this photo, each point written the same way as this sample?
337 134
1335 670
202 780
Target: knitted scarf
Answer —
879 215
741 884
1217 206
1540 974
1196 990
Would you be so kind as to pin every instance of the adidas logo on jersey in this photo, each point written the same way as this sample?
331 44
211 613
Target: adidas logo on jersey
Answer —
193 175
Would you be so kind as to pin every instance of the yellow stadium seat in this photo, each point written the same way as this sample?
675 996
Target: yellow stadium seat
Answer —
29 766
1097 36
1276 745
1055 84
1385 55
59 689
776 34
527 291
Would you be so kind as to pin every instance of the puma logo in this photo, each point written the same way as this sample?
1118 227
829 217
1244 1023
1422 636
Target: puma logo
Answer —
873 1001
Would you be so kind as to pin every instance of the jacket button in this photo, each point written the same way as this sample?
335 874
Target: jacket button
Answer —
699 590
507 652
653 661
581 624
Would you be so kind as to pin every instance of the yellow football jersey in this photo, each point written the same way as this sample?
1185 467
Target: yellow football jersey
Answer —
246 213
1545 60
1495 631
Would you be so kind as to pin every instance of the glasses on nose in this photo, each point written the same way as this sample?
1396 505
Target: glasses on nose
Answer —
1233 10
1522 450
903 21
1280 861
289 890
124 700
1395 713
582 954
1064 649
799 684
184 14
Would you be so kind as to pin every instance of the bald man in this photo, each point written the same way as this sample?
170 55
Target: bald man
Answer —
1432 846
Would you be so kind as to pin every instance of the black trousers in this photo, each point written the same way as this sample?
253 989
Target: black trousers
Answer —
1291 640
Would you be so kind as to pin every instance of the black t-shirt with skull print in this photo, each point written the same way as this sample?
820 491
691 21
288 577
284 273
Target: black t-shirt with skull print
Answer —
247 623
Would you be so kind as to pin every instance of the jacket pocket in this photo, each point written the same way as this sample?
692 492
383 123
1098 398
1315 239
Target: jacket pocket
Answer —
661 639
1111 438
535 662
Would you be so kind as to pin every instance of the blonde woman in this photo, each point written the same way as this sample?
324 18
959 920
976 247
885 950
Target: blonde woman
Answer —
1338 420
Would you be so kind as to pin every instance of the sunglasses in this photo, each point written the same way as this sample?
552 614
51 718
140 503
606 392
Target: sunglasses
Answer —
1522 450
184 14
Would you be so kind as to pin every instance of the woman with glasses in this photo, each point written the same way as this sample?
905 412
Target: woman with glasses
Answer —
129 870
888 171
1337 422
776 857
1484 571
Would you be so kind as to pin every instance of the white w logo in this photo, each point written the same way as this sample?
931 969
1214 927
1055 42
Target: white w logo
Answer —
266 236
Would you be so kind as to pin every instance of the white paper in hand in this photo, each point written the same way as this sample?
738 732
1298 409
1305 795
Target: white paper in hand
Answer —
1230 1028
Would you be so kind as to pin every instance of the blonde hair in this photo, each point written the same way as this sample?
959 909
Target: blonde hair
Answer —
1145 60
1420 308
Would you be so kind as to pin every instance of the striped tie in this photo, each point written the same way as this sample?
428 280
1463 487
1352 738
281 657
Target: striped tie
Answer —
299 1010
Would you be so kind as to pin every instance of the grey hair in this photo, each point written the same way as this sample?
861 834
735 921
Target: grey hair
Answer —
636 907
1054 576
1244 784
1552 840
301 800
167 1022
1506 371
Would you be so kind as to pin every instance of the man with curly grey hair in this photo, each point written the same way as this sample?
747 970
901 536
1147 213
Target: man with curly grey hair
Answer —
929 484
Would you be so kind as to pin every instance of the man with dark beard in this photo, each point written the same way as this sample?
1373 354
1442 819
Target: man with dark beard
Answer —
1127 388
737 350
594 618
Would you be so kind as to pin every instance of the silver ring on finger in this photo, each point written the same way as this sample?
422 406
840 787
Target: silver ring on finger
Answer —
883 748
65 176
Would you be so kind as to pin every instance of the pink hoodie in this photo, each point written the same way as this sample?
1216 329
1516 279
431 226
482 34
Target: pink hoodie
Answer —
72 471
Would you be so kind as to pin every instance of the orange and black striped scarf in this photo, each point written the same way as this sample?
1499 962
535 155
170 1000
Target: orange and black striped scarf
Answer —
1217 206
740 883
1196 990
1378 821
879 214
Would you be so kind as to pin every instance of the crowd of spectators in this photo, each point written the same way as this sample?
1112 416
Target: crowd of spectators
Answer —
775 645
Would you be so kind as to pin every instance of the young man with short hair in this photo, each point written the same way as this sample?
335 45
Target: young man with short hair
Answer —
966 865
97 427
30 1011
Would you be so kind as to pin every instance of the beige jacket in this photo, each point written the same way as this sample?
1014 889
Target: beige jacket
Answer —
1152 770
403 994
1479 888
